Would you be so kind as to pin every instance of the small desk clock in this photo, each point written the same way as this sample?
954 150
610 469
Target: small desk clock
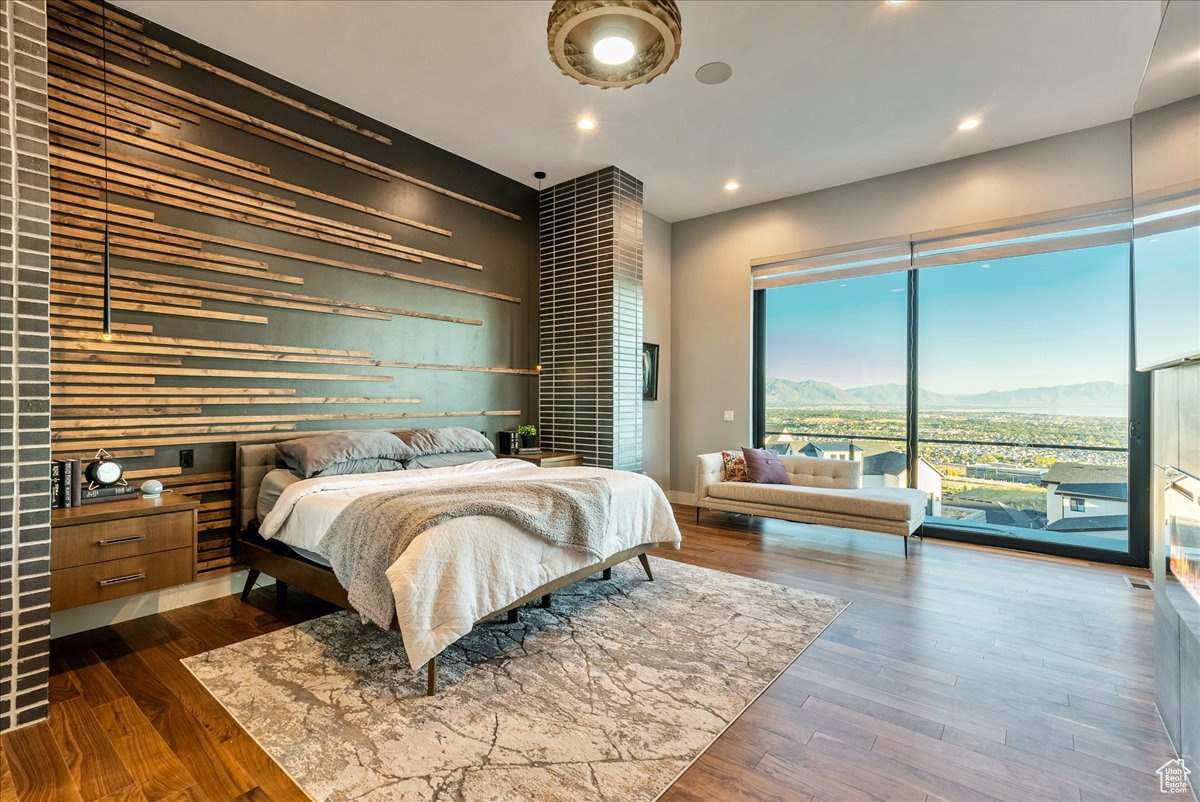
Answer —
103 471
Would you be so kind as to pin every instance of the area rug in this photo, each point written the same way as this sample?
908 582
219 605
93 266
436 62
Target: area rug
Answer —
608 695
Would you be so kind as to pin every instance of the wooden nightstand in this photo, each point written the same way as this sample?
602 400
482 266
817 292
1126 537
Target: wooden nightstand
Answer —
118 548
550 459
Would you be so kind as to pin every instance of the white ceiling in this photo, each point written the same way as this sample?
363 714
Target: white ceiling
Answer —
822 93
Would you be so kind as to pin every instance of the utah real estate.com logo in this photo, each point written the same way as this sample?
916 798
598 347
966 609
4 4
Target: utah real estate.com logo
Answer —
1173 777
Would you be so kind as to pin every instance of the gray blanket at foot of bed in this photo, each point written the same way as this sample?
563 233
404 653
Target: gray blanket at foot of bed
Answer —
373 531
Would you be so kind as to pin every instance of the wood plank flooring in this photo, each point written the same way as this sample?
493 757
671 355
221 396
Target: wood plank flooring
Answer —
958 674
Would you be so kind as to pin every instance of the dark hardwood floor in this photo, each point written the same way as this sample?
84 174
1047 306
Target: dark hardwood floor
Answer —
958 674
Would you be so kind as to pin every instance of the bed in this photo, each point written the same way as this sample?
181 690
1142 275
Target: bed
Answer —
453 576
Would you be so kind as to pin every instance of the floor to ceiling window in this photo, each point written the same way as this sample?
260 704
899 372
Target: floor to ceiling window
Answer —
1024 393
835 361
990 369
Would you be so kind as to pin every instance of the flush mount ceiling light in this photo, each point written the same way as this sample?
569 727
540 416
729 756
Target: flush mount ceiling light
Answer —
732 186
585 124
614 43
969 124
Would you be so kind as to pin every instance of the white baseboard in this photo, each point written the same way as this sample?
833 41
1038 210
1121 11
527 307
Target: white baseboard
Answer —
681 497
68 622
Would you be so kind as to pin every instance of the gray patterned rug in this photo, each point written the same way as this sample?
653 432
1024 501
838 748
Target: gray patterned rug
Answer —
608 695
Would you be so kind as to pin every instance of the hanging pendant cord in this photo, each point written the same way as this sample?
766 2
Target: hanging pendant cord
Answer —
106 334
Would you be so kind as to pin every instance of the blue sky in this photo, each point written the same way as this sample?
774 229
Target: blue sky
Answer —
1028 321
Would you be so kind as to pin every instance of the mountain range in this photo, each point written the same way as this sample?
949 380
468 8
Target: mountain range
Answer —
1100 394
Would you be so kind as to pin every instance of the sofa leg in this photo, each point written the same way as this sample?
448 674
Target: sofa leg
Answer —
906 547
697 513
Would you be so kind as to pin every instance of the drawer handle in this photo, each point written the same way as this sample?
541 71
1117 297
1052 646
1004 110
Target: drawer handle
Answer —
116 580
127 539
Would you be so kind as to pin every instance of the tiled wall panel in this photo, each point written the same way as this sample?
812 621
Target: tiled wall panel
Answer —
591 318
24 364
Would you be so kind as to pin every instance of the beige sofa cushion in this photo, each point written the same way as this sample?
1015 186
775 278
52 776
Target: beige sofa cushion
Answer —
818 472
887 503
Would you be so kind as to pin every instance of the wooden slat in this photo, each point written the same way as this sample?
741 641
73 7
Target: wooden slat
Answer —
246 398
117 347
101 207
87 229
68 334
233 374
61 411
217 438
117 327
88 290
129 453
68 378
177 391
147 473
63 306
64 435
466 368
105 423
127 360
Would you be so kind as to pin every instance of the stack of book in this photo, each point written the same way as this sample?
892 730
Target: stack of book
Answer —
67 486
534 450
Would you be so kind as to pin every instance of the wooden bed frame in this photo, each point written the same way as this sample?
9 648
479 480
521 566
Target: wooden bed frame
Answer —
254 458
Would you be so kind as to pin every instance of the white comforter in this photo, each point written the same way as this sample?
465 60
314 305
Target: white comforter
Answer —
455 573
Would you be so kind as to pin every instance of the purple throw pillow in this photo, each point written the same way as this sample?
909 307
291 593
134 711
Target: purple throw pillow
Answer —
764 467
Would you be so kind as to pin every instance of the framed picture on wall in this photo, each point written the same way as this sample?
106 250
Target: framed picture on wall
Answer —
649 372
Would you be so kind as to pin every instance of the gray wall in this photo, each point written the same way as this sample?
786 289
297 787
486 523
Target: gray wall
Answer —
656 323
24 376
710 286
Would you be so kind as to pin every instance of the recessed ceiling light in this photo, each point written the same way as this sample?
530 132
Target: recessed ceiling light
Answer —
585 123
731 186
613 47
896 2
713 73
969 124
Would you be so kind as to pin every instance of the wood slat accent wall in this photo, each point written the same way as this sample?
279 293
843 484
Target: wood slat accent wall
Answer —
278 263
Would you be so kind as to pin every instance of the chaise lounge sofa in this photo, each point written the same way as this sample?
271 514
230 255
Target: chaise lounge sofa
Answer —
821 491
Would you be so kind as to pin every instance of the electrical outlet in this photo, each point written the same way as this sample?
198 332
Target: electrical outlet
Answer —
187 458
728 414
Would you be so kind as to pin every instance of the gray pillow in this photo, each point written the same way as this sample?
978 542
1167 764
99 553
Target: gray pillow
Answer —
446 460
310 456
363 465
444 440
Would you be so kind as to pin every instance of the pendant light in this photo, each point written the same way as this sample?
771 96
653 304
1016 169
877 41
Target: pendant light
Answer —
106 332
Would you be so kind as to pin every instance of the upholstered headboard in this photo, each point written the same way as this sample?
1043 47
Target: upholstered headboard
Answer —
254 459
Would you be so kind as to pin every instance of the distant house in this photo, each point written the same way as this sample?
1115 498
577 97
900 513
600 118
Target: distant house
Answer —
846 451
1097 493
1003 472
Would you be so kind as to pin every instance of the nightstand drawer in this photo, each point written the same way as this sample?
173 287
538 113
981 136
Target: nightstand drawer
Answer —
87 584
83 544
